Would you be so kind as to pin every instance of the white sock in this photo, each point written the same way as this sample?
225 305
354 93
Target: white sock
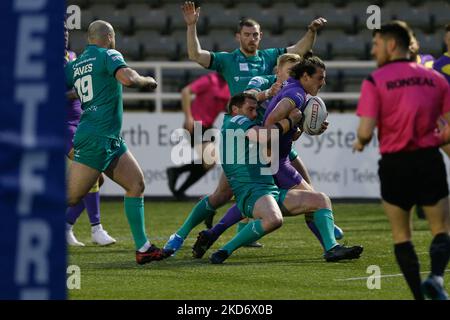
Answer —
96 228
145 247
69 226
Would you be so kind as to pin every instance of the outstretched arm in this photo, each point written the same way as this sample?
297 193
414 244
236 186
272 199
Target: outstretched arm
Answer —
307 42
195 51
130 78
364 133
186 101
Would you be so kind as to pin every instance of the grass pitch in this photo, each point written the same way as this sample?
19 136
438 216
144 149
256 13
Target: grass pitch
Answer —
290 266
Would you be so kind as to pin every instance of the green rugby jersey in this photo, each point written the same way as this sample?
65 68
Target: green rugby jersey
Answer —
261 83
237 69
93 76
241 166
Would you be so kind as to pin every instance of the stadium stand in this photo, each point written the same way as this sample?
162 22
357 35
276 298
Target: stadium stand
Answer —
154 30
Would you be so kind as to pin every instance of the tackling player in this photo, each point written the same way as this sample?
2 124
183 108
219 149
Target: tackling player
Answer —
262 86
257 196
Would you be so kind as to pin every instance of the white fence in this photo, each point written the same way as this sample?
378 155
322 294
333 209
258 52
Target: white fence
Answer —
159 95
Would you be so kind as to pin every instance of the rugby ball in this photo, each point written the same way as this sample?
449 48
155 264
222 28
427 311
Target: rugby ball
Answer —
314 114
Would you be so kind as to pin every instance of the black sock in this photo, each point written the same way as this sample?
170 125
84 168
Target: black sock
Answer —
440 253
186 167
196 173
409 264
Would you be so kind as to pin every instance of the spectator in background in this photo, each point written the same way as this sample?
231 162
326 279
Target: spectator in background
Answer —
211 97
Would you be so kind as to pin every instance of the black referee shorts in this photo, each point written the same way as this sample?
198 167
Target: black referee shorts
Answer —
193 141
415 177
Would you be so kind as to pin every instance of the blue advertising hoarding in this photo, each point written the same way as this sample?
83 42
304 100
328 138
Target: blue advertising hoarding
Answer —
32 164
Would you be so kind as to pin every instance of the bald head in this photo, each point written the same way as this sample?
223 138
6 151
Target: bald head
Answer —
101 33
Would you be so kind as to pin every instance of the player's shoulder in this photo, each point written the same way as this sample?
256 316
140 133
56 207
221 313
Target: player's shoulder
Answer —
259 81
272 51
445 58
240 120
112 52
225 54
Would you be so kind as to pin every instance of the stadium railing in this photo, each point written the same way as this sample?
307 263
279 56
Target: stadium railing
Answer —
159 66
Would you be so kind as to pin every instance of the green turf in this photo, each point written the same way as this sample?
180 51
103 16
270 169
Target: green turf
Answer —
290 266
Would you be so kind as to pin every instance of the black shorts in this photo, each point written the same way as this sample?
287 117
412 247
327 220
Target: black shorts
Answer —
193 140
416 177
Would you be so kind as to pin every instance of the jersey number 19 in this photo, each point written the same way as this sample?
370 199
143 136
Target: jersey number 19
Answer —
84 88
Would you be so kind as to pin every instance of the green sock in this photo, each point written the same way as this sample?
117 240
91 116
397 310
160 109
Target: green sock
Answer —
240 226
250 233
324 221
134 210
201 211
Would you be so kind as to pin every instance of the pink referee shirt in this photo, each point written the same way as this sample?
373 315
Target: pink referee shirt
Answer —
211 98
406 99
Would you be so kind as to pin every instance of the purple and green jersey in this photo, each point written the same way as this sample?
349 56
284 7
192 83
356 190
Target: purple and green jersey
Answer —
73 109
294 92
426 60
73 106
442 65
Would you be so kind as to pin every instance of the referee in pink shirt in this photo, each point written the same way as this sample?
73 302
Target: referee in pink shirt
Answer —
211 98
405 101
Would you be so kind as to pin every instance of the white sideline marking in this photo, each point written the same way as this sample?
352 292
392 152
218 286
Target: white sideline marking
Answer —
382 276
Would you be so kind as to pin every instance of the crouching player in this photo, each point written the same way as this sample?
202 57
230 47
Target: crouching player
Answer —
257 195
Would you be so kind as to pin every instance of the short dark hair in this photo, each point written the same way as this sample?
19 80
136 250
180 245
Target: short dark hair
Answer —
247 22
239 100
397 30
308 65
447 27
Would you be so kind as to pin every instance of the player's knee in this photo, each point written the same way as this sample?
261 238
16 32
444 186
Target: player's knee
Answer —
324 200
73 201
138 187
218 199
274 222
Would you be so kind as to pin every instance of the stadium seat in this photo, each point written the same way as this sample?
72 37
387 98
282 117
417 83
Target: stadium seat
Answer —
348 47
430 43
337 17
207 43
416 17
292 36
293 17
86 18
129 47
224 39
176 20
157 47
273 41
440 12
81 3
112 3
268 18
119 19
221 17
145 17
77 41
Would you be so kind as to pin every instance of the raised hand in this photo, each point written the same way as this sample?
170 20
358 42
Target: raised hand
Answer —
190 13
317 24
